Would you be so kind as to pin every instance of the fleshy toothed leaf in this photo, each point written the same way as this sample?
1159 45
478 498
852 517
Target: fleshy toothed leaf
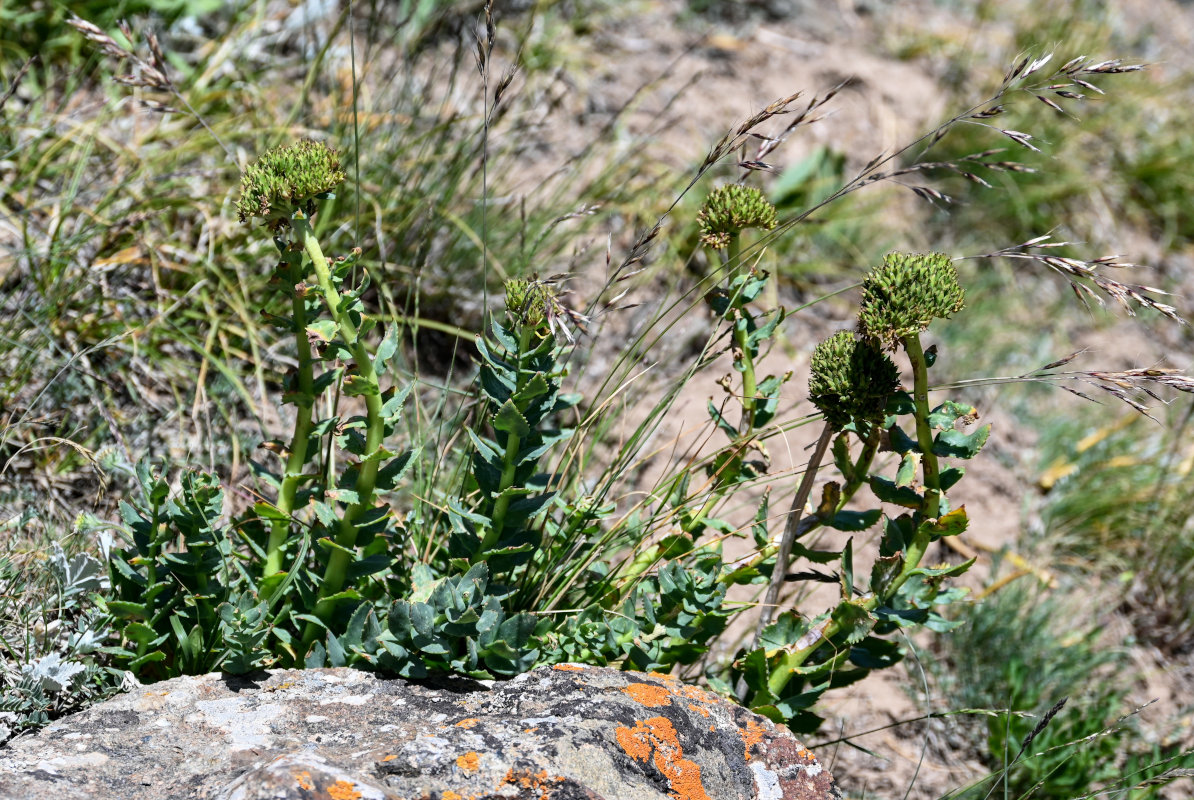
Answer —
509 419
852 521
888 492
853 620
944 572
390 474
909 466
955 444
950 477
884 571
946 416
950 524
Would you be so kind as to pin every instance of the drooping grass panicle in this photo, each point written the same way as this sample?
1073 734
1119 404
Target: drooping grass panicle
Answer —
1082 275
148 73
1053 88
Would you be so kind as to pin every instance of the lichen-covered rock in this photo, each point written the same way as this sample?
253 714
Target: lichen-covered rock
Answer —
557 733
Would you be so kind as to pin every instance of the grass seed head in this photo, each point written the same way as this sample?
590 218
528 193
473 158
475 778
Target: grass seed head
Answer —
851 379
287 178
905 294
729 210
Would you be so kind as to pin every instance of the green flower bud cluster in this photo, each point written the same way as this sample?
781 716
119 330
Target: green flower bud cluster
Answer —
851 379
729 210
529 303
285 178
901 297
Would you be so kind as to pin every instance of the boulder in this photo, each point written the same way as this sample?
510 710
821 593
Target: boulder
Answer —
557 733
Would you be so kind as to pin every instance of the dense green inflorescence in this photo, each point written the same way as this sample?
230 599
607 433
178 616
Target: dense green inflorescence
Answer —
906 293
851 379
531 304
286 178
729 210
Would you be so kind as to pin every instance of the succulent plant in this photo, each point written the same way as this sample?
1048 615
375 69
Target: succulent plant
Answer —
729 210
286 179
851 379
906 293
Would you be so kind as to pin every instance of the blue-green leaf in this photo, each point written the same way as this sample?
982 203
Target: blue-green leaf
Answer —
537 386
502 336
389 475
322 331
336 655
720 420
317 658
950 477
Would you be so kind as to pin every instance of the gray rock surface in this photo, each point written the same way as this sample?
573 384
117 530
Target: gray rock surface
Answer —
557 733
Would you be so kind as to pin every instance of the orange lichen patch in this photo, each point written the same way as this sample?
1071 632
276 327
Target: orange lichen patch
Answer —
389 758
656 738
304 781
344 790
693 693
568 667
704 712
538 781
634 741
751 736
529 730
806 755
467 723
648 695
469 762
663 676
448 794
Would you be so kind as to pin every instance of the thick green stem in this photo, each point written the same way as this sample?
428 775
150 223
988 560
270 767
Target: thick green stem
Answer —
509 459
741 339
734 256
782 672
915 551
750 388
924 433
297 460
346 535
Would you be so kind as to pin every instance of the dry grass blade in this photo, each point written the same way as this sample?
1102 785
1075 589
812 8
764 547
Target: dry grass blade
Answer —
16 81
